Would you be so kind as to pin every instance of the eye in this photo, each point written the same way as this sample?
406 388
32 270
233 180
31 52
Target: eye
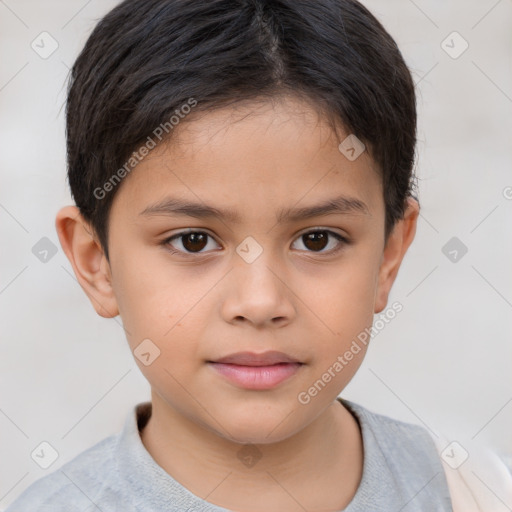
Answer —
188 242
197 242
317 240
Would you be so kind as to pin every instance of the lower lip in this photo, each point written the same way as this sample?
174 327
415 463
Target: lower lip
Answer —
257 377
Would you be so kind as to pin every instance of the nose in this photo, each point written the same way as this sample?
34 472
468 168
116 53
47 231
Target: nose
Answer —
258 294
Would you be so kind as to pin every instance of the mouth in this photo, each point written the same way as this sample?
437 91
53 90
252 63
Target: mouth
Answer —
250 370
269 358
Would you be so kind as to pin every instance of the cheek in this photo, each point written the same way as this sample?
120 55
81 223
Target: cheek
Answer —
342 296
152 298
165 341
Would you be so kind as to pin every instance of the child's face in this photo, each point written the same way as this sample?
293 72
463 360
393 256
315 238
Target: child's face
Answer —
306 298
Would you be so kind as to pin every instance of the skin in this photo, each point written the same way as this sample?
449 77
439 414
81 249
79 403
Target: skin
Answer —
305 300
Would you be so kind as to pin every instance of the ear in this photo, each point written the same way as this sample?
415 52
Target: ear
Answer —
86 256
398 242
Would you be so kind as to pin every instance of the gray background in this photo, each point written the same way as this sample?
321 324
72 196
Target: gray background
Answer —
66 375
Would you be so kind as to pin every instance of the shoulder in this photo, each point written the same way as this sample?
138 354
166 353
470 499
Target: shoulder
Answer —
404 456
75 485
395 438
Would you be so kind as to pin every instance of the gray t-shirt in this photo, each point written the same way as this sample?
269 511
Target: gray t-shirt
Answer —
402 472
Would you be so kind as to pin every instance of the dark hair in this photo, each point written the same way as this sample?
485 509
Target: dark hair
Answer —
147 58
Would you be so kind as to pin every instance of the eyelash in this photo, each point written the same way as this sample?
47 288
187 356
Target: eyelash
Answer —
344 241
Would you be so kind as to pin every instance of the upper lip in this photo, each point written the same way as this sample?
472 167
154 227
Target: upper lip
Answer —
253 359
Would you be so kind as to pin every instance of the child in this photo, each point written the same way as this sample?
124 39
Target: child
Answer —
279 138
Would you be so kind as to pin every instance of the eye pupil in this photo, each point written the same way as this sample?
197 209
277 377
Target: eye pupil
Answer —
316 240
197 241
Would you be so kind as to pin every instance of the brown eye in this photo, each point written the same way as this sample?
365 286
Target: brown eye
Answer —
189 242
316 240
319 239
194 241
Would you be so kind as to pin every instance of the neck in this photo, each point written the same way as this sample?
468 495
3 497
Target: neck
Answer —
326 456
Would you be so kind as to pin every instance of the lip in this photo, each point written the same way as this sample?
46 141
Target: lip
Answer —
256 371
256 377
268 358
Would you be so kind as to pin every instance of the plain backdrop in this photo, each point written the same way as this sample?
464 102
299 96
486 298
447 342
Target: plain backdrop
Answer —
67 376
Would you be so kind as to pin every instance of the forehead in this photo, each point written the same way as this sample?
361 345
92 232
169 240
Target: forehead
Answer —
252 157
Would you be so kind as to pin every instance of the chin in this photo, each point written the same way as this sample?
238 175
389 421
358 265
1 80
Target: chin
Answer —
257 427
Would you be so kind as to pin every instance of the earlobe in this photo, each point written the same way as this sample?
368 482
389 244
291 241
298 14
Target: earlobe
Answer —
87 259
398 242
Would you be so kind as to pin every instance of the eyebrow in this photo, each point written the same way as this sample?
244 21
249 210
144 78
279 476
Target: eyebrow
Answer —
171 206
